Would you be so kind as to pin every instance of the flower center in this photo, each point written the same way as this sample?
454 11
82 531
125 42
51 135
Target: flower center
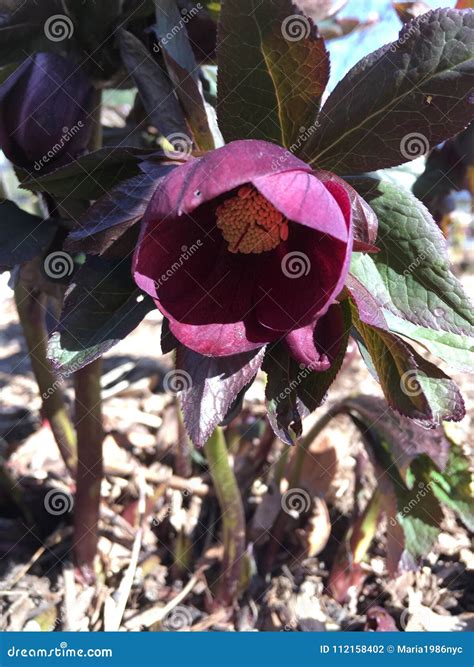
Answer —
249 223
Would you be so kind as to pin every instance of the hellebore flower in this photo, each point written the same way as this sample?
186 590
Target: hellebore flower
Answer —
246 246
44 112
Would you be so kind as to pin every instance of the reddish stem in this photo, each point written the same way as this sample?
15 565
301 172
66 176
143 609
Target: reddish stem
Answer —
88 419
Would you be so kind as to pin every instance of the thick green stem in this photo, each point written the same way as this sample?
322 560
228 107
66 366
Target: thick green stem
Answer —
232 513
31 312
90 435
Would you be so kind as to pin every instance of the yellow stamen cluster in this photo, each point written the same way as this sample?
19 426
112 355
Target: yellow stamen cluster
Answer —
249 223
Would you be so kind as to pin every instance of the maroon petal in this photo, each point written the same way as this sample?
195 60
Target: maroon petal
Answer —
316 346
301 278
305 200
301 345
220 171
364 220
188 271
214 340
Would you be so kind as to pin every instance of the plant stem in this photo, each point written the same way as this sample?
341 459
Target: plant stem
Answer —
31 312
90 435
232 514
183 463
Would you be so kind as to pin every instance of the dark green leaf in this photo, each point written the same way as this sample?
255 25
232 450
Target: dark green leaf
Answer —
418 512
408 286
103 307
452 486
22 236
446 170
90 176
284 375
273 68
401 100
22 28
412 386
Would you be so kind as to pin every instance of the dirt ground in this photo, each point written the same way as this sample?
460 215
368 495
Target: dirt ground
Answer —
158 565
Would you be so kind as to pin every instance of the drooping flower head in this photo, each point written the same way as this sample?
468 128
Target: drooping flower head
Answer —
245 246
44 112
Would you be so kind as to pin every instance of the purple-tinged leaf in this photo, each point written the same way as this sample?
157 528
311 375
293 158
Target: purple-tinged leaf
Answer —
102 307
183 70
153 85
22 30
273 68
393 105
23 236
453 485
294 389
407 438
419 513
208 386
115 212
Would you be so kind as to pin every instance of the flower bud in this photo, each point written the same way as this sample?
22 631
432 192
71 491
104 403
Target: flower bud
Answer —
44 113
